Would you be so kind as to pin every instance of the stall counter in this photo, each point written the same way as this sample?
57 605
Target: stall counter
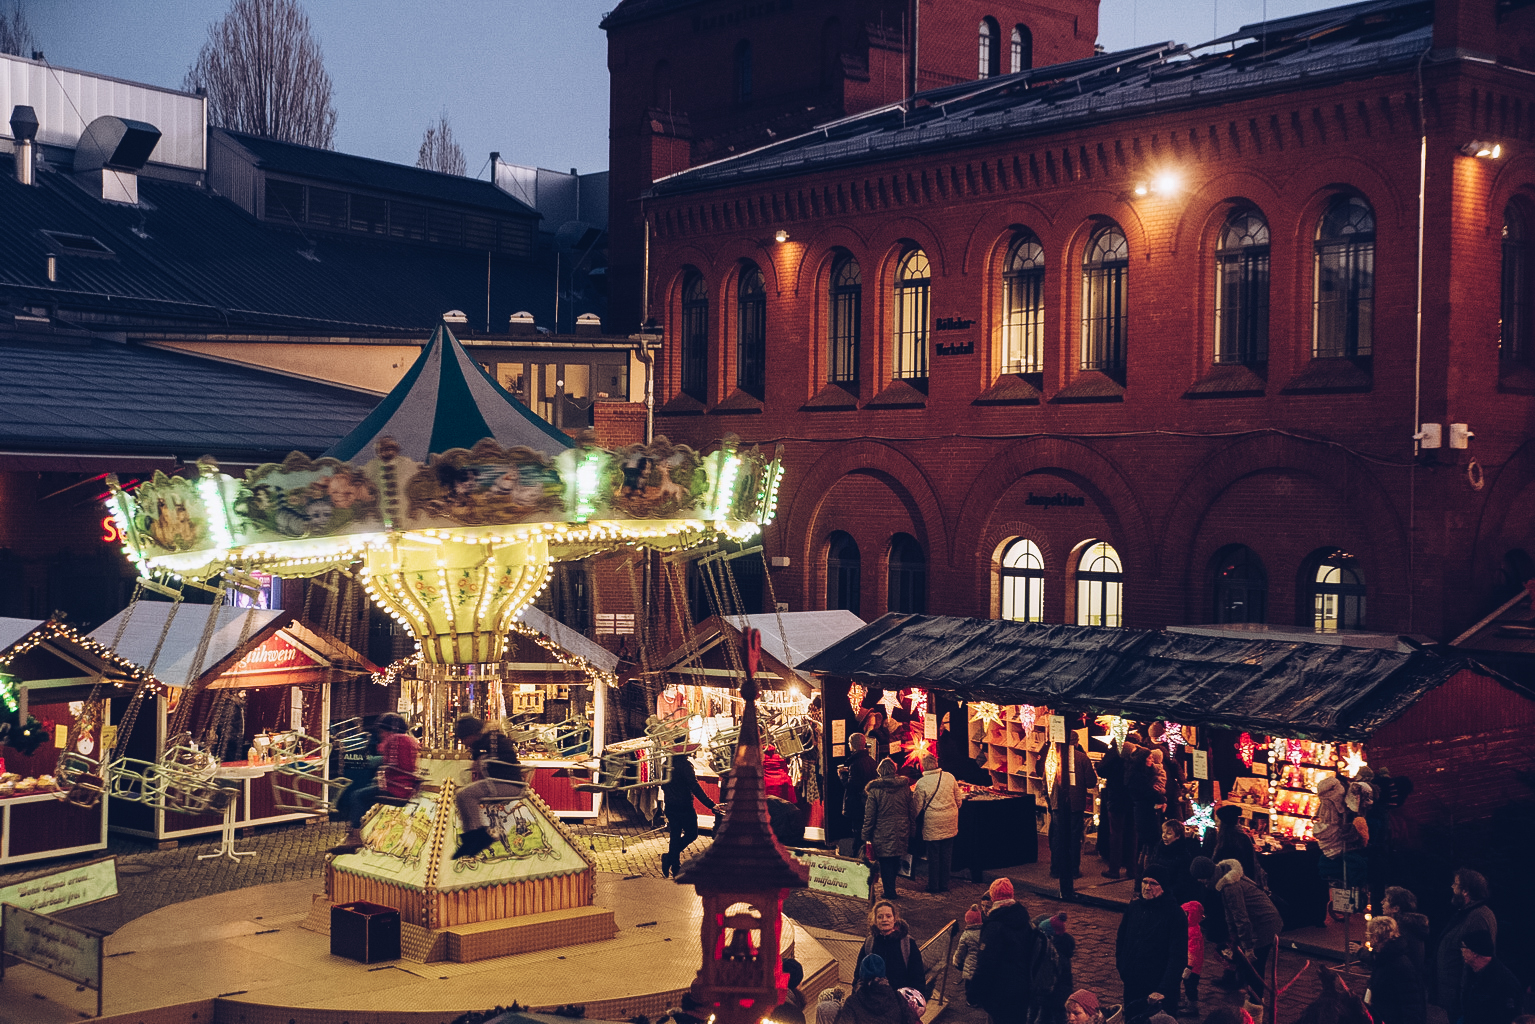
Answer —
38 825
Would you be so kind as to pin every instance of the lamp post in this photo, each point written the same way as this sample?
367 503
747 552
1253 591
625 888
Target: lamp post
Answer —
742 879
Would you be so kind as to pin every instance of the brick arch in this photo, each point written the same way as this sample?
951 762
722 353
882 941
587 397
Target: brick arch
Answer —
1206 206
993 230
1501 504
1001 534
884 245
816 251
1376 534
1516 176
806 516
1315 184
738 250
1073 460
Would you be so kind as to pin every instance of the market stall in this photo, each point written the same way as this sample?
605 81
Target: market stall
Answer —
1252 721
238 683
48 670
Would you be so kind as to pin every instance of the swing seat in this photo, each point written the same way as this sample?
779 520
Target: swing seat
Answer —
722 749
666 734
287 794
389 800
793 737
624 770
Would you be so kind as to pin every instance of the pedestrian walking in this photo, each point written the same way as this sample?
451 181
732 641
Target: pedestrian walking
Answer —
1151 948
1011 947
937 797
1051 1009
855 773
679 791
1468 897
891 941
967 952
888 811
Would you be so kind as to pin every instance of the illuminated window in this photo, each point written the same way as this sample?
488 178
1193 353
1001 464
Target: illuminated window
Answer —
1100 587
913 284
1242 289
751 331
1105 323
1022 49
844 314
1344 279
1023 307
1338 593
990 49
1023 582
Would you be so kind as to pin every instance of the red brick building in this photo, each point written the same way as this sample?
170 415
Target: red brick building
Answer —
696 80
1136 338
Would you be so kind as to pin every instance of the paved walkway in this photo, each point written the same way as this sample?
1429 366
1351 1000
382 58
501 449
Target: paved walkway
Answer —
151 879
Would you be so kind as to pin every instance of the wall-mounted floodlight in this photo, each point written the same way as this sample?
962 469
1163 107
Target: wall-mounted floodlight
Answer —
780 235
1483 150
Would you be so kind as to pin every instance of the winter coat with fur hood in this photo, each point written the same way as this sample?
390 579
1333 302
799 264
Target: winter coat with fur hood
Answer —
1251 917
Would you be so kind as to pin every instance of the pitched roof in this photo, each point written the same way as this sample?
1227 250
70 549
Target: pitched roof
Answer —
447 401
1357 41
380 175
186 255
84 395
1282 687
629 11
178 663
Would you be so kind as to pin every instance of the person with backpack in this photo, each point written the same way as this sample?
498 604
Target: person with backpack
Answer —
1052 1009
1151 949
1017 966
875 1000
890 940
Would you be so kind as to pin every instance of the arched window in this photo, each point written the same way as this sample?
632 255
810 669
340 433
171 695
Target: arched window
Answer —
751 330
1515 331
1344 279
844 309
1105 267
991 48
913 283
695 336
1100 586
743 71
908 576
1023 307
1242 289
1023 582
843 576
1337 592
1023 49
1241 585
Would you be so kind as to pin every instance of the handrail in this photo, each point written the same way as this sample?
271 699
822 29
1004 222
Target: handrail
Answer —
951 930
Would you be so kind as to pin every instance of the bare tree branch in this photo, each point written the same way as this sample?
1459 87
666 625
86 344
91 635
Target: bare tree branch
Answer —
439 150
264 74
15 33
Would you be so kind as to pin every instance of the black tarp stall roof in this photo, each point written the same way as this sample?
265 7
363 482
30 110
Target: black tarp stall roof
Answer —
1280 687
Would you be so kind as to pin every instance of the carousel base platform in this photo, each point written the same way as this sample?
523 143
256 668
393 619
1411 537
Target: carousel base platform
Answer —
245 957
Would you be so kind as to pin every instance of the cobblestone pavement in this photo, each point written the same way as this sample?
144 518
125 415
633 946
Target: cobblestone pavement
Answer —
150 879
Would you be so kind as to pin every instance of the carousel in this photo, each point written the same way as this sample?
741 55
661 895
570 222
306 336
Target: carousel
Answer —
450 506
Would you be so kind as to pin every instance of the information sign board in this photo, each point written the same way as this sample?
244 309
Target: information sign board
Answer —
839 876
75 886
65 950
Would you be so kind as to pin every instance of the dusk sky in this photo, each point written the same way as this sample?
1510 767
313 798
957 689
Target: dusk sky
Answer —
525 77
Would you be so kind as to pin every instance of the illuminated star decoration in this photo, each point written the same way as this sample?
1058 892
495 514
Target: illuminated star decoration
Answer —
1353 761
1117 729
919 750
891 700
1172 735
1204 818
1027 713
918 700
1246 748
986 712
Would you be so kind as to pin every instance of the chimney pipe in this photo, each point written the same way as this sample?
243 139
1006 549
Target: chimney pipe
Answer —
53 268
24 132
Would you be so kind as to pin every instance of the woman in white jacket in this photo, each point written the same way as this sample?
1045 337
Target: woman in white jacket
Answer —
937 799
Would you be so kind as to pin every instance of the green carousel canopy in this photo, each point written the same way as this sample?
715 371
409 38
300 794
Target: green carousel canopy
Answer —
455 499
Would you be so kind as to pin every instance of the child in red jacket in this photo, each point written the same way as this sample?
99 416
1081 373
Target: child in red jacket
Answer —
1195 912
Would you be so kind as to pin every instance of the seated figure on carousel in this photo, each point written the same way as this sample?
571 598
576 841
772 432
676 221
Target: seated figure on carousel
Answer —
497 776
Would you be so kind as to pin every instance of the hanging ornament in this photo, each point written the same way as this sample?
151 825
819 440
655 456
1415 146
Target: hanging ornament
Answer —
1116 729
1172 735
1246 748
918 701
1027 713
1296 753
1353 760
1204 818
919 750
891 700
1052 767
986 712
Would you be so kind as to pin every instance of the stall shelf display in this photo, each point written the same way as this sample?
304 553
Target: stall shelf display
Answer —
1279 797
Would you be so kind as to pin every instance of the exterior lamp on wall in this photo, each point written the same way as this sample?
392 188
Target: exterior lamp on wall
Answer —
1483 150
1167 183
780 236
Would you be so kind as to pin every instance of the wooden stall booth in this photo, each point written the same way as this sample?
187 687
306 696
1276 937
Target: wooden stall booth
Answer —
54 673
238 684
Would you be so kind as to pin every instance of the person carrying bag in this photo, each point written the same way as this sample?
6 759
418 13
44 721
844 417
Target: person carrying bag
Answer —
937 792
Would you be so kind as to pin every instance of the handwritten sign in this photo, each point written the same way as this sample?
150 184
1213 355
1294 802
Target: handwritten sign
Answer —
65 950
1201 764
1057 728
839 876
73 887
930 726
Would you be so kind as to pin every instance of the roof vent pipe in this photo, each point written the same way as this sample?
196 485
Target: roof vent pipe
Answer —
53 268
24 132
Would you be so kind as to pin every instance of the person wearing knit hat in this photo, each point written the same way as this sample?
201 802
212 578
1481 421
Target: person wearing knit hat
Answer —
1489 992
937 798
873 967
888 812
1009 940
967 952
1202 869
1082 1007
874 1001
1151 948
828 1004
1001 890
1051 1006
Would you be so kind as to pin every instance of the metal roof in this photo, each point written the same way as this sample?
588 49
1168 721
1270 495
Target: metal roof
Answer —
82 395
378 175
1343 43
1278 687
178 663
184 254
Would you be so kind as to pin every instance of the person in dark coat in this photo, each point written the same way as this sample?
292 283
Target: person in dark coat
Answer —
875 1000
1003 984
954 754
1170 861
792 1009
1489 992
1140 783
1054 928
1252 922
1401 905
1152 947
1468 894
1335 1005
855 774
1396 993
888 813
1116 824
1231 841
681 820
1068 820
890 940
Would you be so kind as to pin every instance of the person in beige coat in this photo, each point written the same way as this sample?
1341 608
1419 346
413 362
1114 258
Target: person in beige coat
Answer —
937 798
